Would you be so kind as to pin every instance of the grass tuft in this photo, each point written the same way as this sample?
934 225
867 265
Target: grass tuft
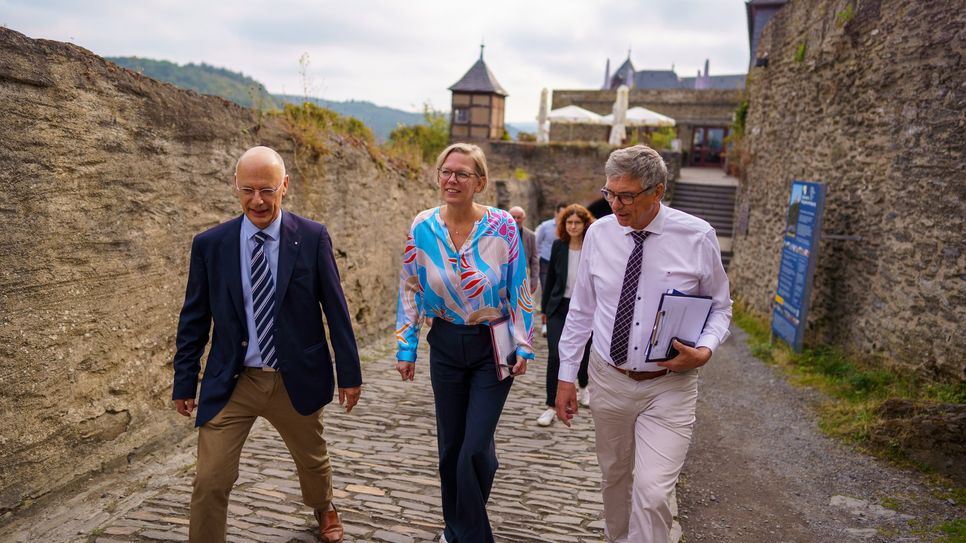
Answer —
856 379
953 531
843 17
856 386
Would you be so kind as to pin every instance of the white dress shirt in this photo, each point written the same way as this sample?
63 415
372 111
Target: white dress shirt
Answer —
573 260
681 253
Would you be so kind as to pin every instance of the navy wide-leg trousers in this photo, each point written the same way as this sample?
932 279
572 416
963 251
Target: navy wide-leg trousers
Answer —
469 400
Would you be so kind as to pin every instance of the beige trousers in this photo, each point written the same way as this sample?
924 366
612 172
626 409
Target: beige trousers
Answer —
643 429
257 394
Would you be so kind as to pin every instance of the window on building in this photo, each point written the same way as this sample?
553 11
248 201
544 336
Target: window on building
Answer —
461 115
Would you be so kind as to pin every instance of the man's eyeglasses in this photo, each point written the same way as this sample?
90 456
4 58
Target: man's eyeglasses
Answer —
266 193
461 176
626 198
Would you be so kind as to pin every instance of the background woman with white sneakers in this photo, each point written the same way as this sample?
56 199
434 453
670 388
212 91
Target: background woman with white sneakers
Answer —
561 275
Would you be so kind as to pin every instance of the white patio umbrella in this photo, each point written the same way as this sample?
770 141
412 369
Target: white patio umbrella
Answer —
543 123
574 115
641 116
617 131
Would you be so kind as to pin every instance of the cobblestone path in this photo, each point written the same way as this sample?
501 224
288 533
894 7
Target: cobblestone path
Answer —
386 483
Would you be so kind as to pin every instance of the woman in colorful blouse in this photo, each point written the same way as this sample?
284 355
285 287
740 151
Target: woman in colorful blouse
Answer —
463 267
561 276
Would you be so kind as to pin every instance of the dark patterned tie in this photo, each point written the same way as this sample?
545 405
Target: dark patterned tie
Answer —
625 306
263 302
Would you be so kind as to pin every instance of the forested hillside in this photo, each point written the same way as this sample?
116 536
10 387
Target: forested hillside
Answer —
204 79
244 90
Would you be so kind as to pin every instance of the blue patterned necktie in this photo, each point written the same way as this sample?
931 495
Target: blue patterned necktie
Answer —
625 306
263 302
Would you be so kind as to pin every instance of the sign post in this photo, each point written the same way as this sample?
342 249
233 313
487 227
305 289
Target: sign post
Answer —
803 230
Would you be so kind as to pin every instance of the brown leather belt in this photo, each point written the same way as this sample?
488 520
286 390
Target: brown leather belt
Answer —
642 375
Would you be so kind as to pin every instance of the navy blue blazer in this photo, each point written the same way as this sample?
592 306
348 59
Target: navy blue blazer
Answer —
307 285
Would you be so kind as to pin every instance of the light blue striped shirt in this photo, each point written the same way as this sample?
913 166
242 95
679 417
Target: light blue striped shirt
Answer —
546 234
253 357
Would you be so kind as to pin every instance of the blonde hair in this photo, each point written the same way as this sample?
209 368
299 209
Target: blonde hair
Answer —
470 150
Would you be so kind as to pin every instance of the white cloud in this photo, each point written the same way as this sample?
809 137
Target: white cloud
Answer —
402 54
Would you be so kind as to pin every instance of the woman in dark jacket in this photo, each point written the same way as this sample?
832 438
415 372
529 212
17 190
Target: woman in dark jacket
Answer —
561 275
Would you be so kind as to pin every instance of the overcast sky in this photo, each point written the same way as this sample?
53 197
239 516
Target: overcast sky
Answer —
404 53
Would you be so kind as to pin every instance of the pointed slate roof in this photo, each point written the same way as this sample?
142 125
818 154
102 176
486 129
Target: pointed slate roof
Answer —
624 75
479 79
627 65
656 79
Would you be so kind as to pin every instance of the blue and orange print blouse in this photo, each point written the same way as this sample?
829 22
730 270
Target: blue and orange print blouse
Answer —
484 280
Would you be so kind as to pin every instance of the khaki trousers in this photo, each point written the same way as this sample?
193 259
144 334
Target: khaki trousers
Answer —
257 394
643 429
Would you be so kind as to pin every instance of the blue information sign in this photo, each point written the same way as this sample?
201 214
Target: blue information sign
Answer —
799 252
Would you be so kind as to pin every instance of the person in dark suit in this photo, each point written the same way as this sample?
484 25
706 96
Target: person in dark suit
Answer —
555 302
265 278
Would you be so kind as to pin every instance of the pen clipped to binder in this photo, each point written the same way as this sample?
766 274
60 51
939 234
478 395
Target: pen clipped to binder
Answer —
680 316
657 326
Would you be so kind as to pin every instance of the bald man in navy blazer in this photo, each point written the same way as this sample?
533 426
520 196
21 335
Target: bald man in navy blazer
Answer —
265 279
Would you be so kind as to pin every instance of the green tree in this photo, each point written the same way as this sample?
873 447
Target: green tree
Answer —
421 141
661 138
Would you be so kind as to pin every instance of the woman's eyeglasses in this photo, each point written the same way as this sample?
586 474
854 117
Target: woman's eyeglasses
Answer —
461 176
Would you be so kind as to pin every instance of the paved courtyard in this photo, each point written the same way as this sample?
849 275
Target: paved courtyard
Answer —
386 484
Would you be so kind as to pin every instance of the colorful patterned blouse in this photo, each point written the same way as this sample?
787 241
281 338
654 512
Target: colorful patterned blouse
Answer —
483 281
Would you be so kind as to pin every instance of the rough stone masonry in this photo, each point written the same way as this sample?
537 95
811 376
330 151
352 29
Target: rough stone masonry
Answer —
106 177
870 98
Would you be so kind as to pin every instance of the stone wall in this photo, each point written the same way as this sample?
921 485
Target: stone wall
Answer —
106 177
868 97
579 132
543 175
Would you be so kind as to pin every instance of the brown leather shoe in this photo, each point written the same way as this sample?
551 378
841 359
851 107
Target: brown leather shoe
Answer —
330 527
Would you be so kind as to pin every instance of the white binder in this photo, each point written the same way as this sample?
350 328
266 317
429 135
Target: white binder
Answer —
680 316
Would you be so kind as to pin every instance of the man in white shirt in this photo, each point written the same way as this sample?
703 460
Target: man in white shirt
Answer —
643 411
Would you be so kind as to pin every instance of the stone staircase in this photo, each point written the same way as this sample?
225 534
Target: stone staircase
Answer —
713 203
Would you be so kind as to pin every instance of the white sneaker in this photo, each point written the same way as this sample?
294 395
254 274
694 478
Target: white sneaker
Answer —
547 417
585 397
442 538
